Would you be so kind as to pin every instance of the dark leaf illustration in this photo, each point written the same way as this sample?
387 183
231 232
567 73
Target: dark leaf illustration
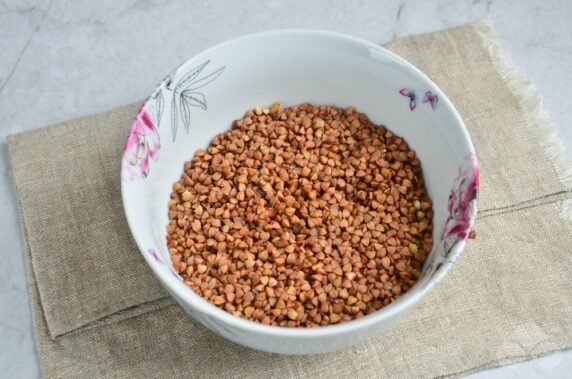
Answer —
185 113
185 96
199 83
160 107
191 75
174 117
196 99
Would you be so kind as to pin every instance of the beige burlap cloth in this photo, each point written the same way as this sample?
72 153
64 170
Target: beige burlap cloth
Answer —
98 311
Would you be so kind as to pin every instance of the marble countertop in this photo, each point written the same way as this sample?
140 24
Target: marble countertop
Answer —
64 59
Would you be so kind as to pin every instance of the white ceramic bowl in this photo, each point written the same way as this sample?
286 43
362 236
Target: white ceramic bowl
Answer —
203 96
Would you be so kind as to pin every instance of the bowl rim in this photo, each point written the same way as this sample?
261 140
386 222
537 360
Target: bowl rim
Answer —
404 303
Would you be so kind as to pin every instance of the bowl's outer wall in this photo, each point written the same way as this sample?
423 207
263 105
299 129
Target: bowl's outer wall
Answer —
289 344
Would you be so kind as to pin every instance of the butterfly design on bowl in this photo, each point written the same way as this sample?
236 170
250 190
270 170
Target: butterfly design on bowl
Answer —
429 98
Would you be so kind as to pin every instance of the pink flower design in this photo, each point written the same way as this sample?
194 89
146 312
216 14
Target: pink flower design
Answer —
142 145
462 205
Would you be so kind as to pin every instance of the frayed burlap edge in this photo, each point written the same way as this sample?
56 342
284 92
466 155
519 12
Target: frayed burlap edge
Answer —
532 108
536 117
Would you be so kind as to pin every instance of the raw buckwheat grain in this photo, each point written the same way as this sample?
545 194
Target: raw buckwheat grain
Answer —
301 216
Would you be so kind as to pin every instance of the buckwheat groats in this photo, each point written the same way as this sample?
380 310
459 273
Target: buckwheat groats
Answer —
301 216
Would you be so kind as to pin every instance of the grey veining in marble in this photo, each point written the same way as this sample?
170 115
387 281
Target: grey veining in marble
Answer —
63 59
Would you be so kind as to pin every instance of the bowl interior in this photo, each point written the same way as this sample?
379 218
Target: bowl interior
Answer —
203 96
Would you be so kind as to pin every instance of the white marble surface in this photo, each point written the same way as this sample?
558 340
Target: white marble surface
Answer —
62 59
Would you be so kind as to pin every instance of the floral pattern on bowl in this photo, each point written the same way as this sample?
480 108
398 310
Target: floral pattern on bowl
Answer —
142 146
462 205
462 211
